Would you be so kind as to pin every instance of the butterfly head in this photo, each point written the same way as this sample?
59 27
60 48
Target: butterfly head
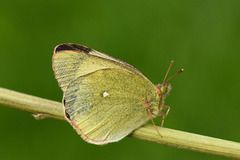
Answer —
164 88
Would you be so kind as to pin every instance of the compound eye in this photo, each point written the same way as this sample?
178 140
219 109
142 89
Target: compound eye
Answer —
164 89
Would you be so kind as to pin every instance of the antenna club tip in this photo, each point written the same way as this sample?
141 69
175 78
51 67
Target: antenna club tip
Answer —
182 70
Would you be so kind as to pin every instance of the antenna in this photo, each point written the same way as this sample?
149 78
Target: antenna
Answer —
173 76
170 65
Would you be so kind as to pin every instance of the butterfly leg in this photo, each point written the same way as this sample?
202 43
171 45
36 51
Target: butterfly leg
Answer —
149 111
163 114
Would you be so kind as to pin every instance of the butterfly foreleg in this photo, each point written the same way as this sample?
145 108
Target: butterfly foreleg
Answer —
163 114
150 113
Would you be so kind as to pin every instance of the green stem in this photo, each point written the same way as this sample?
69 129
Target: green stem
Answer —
42 108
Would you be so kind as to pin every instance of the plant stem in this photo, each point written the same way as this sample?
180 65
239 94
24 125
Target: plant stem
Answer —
42 108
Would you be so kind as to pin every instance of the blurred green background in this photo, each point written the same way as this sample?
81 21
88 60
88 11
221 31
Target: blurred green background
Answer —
201 36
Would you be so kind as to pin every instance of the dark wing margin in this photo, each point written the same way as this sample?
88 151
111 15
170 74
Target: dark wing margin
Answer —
72 46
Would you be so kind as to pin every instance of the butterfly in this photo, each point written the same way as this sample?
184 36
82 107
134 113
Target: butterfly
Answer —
105 98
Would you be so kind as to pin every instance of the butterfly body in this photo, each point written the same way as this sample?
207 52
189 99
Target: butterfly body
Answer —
105 98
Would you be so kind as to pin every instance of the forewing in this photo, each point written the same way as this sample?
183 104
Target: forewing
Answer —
74 60
108 104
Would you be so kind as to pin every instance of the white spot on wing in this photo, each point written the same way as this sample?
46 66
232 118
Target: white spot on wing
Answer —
105 94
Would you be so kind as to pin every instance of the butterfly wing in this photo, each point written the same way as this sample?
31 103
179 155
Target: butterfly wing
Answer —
74 60
103 96
108 104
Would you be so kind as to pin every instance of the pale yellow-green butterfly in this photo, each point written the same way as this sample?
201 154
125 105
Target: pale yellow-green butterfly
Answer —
105 98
